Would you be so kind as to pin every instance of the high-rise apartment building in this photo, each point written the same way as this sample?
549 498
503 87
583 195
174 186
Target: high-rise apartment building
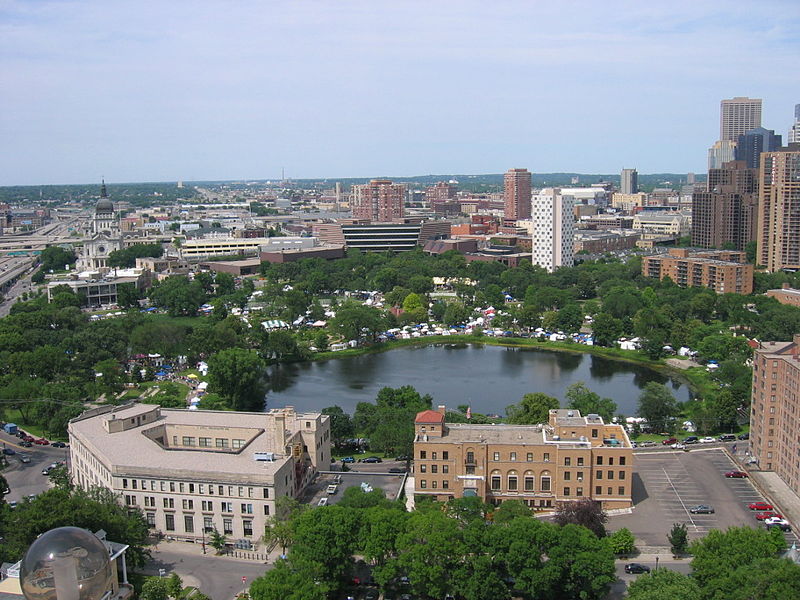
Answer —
778 228
724 271
553 231
629 181
725 213
775 409
517 194
752 143
737 116
440 192
378 201
794 130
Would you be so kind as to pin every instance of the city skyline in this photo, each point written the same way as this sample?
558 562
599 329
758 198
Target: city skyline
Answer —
192 91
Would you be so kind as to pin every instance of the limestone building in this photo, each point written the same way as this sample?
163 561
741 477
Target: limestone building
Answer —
195 471
105 236
569 458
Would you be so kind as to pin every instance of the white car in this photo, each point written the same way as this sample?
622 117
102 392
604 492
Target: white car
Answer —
322 502
707 440
678 446
775 521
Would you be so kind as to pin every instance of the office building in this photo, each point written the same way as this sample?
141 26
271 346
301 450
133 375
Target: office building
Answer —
738 116
629 202
629 181
571 457
720 153
724 271
517 195
195 471
553 230
778 229
725 214
751 144
381 237
775 409
794 130
378 201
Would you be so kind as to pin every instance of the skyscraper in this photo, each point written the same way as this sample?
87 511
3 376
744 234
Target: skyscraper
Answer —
380 200
629 181
779 209
553 235
751 144
724 215
517 194
794 130
737 116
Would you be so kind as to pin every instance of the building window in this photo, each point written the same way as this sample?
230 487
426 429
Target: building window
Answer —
621 491
423 454
445 468
434 468
546 457
188 504
434 484
579 491
594 432
445 484
237 444
580 461
265 492
221 442
609 491
470 470
567 475
512 482
169 503
171 486
598 490
423 483
247 526
266 509
445 455
529 457
599 460
207 505
621 461
227 526
567 461
622 475
528 482
188 523
495 482
125 483
496 456
205 442
187 440
151 519
610 460
208 524
610 475
545 483
247 509
513 456
423 468
169 522
470 457
227 507
566 491
433 455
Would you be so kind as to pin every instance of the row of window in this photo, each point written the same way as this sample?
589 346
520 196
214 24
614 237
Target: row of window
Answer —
208 524
192 488
529 457
246 508
205 442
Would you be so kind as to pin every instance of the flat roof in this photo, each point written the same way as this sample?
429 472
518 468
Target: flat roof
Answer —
132 452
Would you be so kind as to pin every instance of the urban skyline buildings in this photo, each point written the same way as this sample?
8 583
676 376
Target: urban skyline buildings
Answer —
517 195
778 228
738 116
751 144
629 181
794 130
379 201
553 230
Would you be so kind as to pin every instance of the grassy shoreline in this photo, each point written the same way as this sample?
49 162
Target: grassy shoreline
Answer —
695 381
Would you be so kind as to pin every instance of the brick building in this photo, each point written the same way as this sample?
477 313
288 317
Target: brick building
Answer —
569 458
517 194
379 201
720 270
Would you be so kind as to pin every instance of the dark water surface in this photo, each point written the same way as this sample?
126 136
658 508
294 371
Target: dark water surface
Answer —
488 378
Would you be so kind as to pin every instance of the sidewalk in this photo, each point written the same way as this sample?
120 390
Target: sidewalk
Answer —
190 549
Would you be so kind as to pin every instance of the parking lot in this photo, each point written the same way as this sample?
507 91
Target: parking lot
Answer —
26 478
667 484
389 483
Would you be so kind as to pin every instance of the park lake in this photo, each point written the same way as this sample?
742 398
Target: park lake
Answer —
487 378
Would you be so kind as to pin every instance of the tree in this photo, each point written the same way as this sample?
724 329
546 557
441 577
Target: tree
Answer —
456 314
663 584
413 309
678 538
585 512
126 257
353 319
217 541
178 295
279 532
510 510
723 408
127 295
174 585
59 477
355 497
657 405
55 258
622 541
606 329
570 318
750 251
288 582
3 487
588 402
237 375
341 424
155 588
582 565
532 409
763 578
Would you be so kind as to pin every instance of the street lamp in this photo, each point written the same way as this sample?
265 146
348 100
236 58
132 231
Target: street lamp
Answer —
656 561
206 530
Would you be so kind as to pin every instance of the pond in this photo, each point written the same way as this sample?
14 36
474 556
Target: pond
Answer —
487 378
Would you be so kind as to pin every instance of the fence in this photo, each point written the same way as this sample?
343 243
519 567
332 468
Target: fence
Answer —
246 554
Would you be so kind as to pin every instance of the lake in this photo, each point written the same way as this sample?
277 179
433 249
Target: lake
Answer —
488 378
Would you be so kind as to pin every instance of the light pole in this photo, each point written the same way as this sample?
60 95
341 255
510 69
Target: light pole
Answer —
205 530
656 562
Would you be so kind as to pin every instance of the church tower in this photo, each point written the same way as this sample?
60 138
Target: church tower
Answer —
104 214
105 236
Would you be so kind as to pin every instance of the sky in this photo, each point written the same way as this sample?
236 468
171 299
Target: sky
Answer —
149 90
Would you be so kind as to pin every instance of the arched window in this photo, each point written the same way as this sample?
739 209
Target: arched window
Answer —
495 480
544 481
512 481
529 481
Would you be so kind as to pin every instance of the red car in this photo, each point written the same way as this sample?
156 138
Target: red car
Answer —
767 514
669 441
738 474
41 442
760 506
28 438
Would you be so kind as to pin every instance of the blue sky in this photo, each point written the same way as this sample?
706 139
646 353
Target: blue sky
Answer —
162 91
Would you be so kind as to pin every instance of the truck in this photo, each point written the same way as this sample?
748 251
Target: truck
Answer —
10 428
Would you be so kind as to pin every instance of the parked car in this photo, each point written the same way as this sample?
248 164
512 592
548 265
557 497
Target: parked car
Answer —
702 509
322 502
692 439
348 459
26 444
763 516
28 438
636 568
48 468
708 440
727 437
9 451
372 459
670 441
24 458
678 446
760 506
12 504
736 474
398 470
41 442
58 445
332 488
782 525
403 457
744 436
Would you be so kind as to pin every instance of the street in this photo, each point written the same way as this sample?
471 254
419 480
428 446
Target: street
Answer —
26 478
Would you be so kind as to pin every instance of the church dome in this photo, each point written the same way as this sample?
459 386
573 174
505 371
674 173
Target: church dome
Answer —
104 205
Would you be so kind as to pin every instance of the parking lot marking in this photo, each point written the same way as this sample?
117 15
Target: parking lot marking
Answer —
686 510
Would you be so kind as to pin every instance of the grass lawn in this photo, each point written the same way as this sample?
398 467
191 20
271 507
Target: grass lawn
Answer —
14 416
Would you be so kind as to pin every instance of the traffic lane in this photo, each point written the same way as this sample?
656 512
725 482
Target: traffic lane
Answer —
671 483
25 479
